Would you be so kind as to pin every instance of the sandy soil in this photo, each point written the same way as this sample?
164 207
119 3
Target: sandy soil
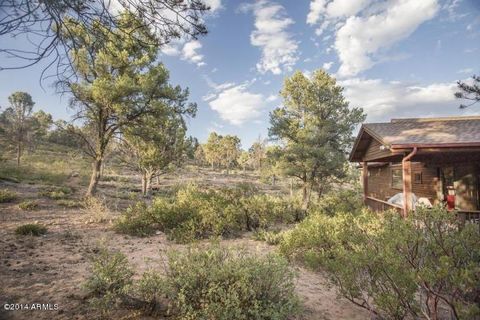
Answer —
52 268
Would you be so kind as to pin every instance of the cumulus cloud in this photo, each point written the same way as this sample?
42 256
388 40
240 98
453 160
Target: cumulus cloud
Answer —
272 98
189 53
466 71
214 5
271 34
327 65
382 100
236 104
365 28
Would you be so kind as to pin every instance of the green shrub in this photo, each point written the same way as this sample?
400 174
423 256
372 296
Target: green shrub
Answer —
110 279
55 192
338 201
381 261
218 283
150 289
7 196
271 237
136 221
193 213
68 203
31 230
28 205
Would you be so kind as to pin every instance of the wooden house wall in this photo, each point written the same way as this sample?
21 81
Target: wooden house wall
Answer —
374 152
380 182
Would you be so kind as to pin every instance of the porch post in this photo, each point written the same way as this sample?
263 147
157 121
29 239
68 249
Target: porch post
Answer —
407 187
407 182
365 180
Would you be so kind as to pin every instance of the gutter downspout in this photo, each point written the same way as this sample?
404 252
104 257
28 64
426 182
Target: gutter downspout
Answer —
405 197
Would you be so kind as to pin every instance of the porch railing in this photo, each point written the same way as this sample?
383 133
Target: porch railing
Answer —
469 216
465 216
380 205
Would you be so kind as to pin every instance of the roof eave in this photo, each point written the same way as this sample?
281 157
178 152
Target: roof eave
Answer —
435 145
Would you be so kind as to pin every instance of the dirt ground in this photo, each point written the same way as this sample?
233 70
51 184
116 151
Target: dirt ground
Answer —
52 268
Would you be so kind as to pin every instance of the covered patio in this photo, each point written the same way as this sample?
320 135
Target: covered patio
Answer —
437 159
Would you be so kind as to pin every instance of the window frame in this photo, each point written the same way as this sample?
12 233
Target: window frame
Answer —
396 184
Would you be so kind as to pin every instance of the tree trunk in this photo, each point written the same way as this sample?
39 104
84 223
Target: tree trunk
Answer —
96 174
149 178
144 184
291 187
19 154
305 196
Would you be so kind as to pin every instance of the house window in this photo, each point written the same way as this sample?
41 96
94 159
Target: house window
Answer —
417 177
397 178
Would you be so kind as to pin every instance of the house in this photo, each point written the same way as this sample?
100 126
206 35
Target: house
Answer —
427 157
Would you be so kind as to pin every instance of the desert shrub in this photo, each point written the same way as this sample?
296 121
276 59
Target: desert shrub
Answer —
380 262
219 283
28 205
31 229
110 278
68 203
338 201
150 289
136 221
193 213
96 210
55 193
7 196
271 237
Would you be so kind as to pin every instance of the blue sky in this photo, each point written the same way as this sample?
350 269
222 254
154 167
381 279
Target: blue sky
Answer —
395 58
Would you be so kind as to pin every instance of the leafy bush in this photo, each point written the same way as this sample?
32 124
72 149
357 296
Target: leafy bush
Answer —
53 192
31 229
7 196
110 279
136 221
218 283
150 289
271 237
339 201
28 205
196 214
96 210
379 262
68 203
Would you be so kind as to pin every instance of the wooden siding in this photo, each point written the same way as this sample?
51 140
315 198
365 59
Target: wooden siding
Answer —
380 182
374 152
466 187
430 186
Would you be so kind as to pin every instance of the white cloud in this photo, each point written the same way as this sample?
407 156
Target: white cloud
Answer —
214 5
272 98
170 50
359 39
466 71
237 105
279 50
365 29
327 65
189 52
383 100
317 7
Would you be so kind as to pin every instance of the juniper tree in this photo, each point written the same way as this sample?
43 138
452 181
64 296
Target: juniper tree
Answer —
157 142
16 121
119 82
314 126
